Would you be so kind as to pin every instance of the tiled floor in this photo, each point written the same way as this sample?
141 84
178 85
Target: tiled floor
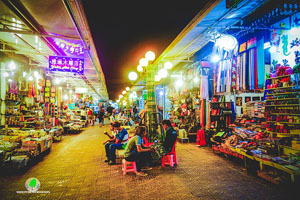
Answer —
75 169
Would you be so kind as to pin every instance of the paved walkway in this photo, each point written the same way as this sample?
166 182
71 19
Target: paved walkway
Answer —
75 169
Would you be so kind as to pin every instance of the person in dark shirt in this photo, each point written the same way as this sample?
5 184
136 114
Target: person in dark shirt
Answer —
171 135
109 110
101 116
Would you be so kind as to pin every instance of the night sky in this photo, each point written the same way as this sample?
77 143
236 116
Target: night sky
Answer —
123 31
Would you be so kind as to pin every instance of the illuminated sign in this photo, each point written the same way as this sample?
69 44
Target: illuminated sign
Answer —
66 64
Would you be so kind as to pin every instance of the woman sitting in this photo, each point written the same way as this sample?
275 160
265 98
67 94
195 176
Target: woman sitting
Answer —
136 151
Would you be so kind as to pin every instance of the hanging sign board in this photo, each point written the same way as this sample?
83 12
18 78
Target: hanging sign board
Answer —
251 43
66 64
243 47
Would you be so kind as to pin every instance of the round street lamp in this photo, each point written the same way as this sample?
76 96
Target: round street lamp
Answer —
163 73
140 68
143 62
150 55
132 76
168 65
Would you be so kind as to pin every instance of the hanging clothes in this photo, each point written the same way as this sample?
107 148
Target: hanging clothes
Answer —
201 137
13 87
202 114
207 114
204 88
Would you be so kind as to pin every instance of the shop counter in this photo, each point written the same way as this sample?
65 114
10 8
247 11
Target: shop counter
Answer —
290 169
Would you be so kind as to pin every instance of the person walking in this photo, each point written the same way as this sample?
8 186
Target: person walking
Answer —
101 116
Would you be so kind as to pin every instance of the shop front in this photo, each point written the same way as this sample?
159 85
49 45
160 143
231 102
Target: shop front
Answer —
239 91
48 80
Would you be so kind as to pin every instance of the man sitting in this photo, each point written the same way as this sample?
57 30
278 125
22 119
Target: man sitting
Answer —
120 139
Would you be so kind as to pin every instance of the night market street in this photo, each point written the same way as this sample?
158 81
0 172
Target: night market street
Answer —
75 169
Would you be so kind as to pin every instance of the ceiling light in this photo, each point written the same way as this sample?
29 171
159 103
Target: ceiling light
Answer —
216 58
179 83
168 65
30 78
12 65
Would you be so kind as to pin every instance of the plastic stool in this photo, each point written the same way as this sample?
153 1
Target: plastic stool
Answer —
169 159
128 166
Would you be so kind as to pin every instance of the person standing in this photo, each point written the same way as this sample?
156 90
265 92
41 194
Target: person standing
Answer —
90 115
101 116
109 110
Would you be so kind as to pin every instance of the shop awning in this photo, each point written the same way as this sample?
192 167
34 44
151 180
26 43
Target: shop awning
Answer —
39 29
214 17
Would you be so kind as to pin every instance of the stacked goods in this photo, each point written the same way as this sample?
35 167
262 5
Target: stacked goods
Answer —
259 109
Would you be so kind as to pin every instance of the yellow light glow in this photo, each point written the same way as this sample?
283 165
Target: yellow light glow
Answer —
168 65
143 62
132 76
150 55
140 68
127 88
157 78
124 92
163 73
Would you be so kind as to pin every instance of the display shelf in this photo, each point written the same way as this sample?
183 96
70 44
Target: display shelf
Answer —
284 168
281 93
278 77
284 99
291 123
280 88
283 105
288 114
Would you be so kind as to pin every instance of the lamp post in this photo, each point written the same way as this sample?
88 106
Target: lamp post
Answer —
151 102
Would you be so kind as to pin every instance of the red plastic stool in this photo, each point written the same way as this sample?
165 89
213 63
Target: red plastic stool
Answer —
128 166
170 158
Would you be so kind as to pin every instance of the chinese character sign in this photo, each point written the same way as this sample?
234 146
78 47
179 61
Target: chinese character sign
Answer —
66 64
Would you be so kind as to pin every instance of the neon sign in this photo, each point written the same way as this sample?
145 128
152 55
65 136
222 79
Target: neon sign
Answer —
70 47
66 64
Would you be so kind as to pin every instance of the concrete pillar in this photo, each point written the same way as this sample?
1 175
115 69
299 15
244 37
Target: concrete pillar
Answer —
2 93
151 102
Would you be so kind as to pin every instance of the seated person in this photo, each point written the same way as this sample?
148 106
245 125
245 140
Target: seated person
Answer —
162 149
136 151
120 139
111 140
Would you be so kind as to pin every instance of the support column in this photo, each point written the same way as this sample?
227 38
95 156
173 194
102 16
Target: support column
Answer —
2 94
151 102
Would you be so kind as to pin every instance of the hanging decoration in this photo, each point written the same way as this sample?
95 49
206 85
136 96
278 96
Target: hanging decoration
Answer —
287 43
